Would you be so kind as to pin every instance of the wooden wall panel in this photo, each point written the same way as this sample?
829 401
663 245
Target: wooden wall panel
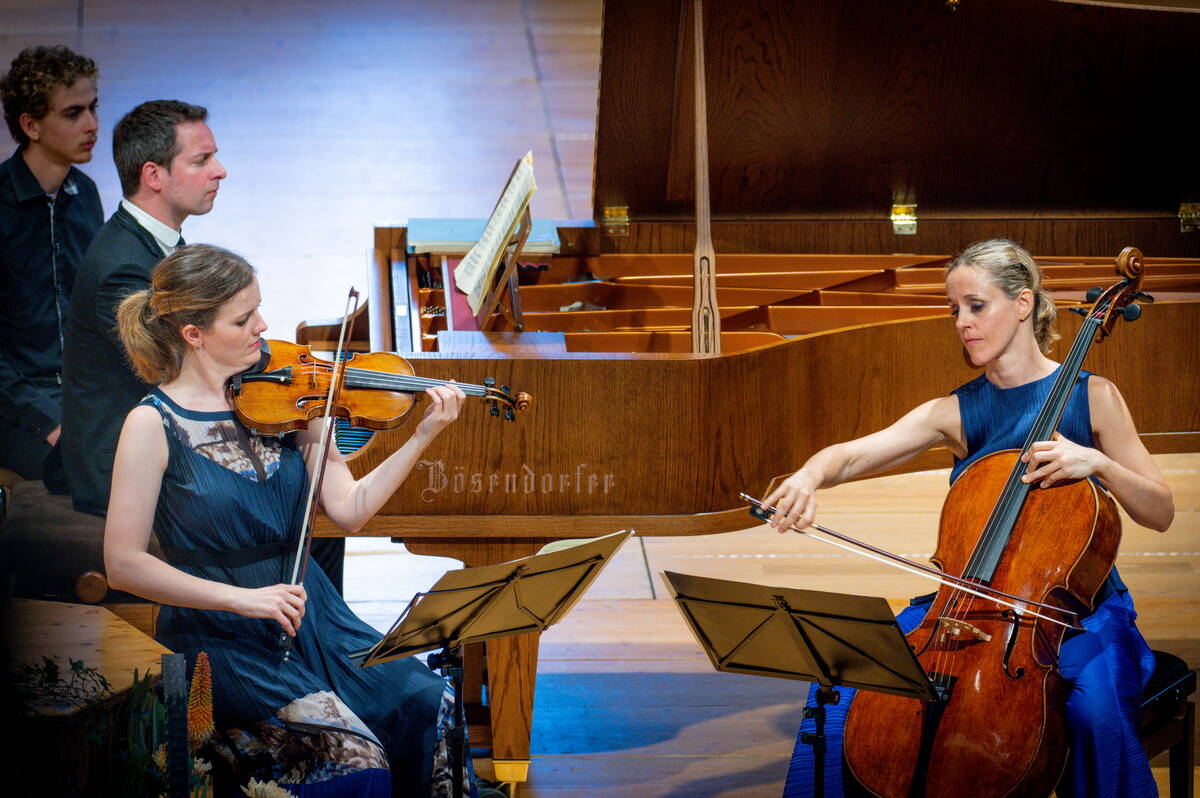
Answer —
820 110
1156 238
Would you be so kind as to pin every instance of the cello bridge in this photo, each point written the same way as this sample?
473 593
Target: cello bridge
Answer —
956 628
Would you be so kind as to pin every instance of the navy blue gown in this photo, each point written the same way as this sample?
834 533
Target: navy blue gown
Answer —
1107 664
230 510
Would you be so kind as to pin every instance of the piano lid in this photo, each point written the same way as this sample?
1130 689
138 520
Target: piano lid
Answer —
830 110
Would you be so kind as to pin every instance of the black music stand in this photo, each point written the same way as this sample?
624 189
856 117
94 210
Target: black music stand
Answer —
472 605
832 639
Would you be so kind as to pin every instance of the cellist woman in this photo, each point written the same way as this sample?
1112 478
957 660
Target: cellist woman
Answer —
227 505
1005 320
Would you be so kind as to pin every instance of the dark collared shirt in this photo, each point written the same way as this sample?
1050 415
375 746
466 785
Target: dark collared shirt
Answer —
42 241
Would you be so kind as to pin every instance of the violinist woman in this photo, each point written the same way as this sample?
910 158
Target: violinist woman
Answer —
1005 320
227 506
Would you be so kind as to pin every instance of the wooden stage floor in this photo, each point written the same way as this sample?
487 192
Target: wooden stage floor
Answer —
627 706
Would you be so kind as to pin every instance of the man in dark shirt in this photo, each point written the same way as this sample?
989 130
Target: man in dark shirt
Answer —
166 157
49 212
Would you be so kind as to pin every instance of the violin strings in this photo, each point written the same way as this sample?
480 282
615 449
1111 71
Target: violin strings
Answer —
386 381
385 377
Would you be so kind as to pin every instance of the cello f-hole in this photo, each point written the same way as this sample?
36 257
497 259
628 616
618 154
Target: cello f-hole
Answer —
1015 621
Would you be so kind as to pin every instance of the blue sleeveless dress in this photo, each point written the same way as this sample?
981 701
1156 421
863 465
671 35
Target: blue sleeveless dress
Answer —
1107 664
230 510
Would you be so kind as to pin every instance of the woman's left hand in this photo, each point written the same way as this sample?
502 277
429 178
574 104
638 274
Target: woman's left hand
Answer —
1059 459
444 403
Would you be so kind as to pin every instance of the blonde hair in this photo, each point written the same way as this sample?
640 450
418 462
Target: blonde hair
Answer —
188 286
1012 269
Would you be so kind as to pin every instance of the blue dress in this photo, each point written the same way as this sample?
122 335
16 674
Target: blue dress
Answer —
230 510
1107 664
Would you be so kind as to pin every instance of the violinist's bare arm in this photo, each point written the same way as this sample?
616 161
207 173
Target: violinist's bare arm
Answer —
1120 460
350 503
936 421
138 470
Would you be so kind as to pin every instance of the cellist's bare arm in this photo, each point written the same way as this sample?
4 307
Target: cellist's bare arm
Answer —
936 421
1120 460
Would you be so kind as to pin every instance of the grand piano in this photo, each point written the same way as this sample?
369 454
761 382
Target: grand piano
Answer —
853 148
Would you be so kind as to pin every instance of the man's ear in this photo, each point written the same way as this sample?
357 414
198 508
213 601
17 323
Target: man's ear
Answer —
152 176
31 127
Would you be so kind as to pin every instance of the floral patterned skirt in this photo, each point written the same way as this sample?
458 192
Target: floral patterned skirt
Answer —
318 748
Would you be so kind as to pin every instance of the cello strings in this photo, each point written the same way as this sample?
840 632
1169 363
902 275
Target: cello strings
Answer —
1053 407
997 530
1058 395
1004 515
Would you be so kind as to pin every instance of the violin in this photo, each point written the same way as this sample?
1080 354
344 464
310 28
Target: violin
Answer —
288 387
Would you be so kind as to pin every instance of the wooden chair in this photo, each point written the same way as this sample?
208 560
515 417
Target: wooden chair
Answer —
1168 720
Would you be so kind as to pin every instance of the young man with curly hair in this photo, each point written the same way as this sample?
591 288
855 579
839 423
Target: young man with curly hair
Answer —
49 212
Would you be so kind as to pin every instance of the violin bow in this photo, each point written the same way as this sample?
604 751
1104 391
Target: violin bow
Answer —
304 544
763 511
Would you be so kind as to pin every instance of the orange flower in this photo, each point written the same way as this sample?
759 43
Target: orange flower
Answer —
200 703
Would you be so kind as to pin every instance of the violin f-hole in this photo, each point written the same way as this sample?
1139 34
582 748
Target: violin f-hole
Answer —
303 402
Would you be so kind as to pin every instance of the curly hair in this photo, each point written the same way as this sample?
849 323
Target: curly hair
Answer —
32 79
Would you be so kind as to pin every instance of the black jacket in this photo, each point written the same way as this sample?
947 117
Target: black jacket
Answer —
99 386
42 242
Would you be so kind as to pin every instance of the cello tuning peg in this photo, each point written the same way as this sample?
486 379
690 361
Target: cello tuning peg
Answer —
489 381
509 415
1094 293
1080 311
1142 295
1132 312
504 390
493 410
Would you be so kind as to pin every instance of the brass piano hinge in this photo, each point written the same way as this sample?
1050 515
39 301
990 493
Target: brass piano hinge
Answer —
616 221
1189 217
904 220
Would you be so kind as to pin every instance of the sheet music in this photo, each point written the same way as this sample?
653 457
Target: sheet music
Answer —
477 270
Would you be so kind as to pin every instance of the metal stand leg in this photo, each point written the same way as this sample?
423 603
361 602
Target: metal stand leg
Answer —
825 695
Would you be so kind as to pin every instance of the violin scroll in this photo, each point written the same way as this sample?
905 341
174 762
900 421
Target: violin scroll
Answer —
495 397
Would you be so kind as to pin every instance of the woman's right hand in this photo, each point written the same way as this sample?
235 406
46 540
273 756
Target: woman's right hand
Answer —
794 500
282 603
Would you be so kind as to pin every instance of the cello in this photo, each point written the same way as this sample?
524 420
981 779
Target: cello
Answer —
999 725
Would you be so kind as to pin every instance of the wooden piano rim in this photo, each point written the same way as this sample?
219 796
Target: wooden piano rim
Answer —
478 528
